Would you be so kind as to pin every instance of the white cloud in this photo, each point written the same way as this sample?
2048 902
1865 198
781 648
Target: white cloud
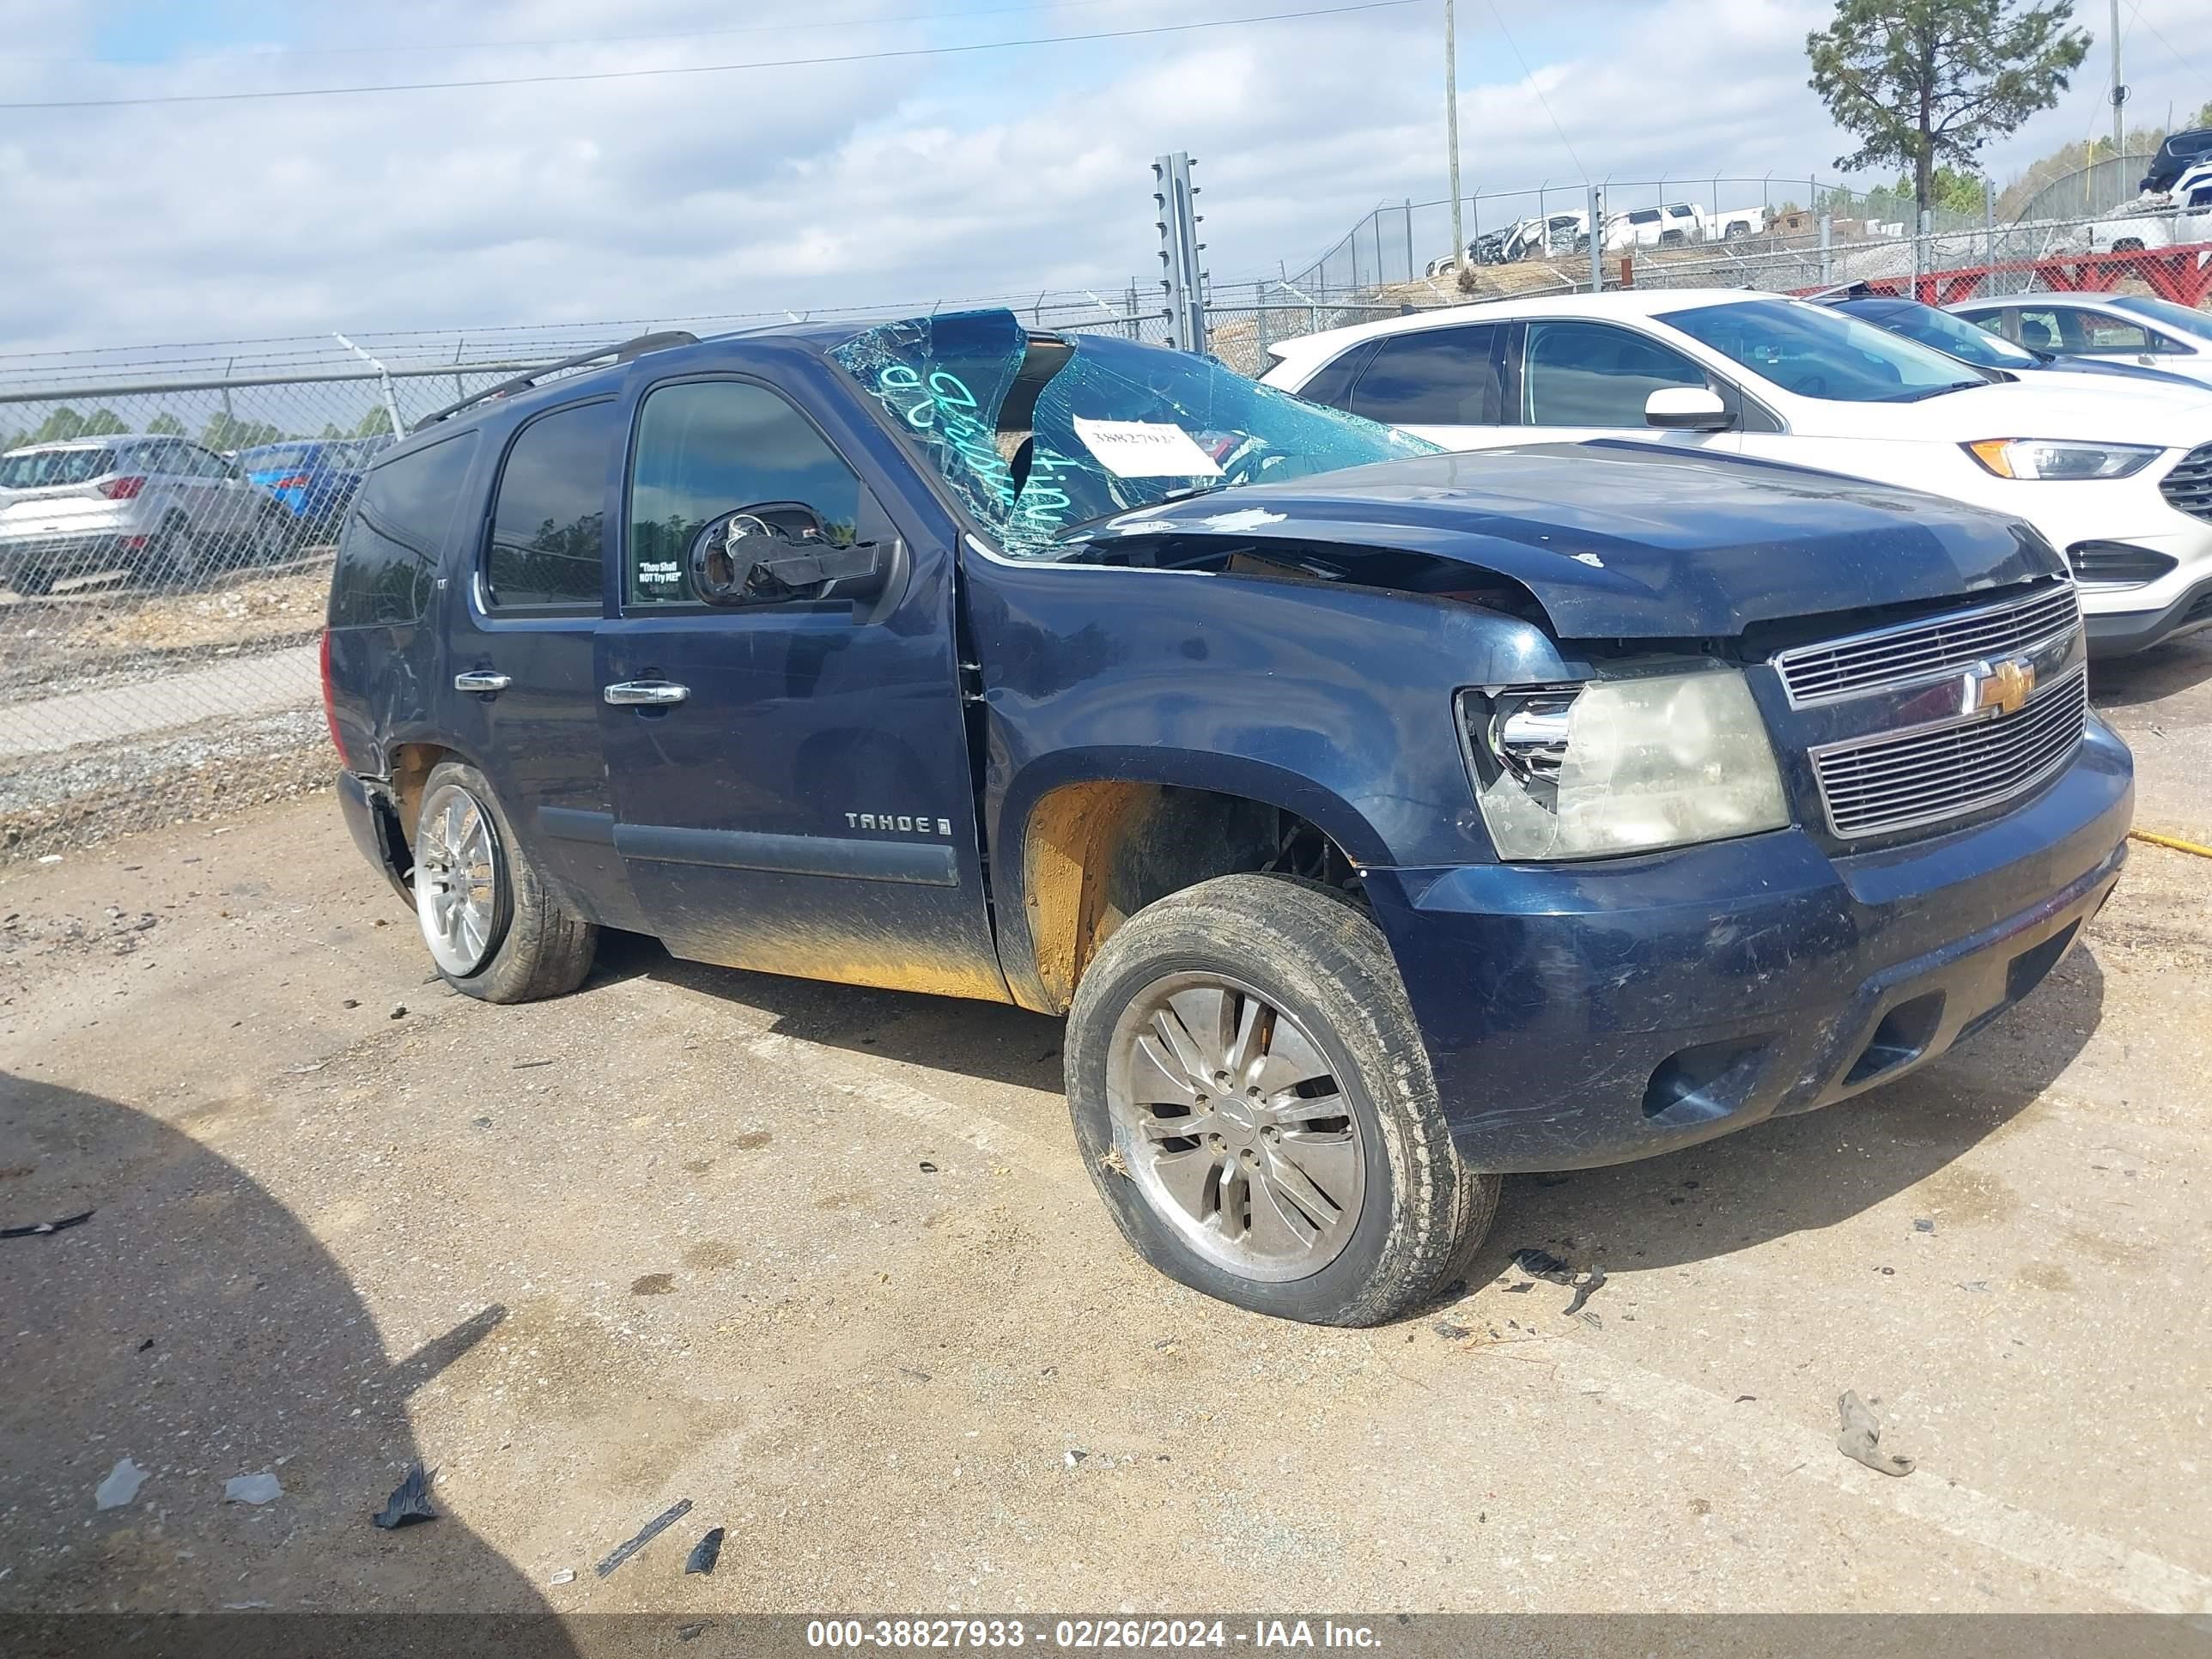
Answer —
909 180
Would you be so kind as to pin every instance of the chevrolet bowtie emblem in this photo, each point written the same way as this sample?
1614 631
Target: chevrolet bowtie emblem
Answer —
2002 687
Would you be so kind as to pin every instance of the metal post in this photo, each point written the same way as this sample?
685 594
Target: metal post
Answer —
1379 277
1451 132
1409 239
2119 92
1927 228
1827 261
1597 240
1178 228
383 378
1990 223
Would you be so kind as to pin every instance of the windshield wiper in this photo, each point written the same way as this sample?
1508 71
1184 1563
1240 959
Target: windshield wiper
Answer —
1926 393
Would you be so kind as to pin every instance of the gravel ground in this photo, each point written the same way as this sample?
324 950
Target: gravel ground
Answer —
92 637
85 797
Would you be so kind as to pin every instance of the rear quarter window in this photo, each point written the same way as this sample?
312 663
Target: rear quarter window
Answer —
44 469
388 557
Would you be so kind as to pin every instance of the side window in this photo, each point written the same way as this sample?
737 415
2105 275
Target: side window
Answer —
2050 329
1992 321
1644 216
547 523
2100 332
1333 384
707 447
165 459
388 556
206 463
1431 377
1594 374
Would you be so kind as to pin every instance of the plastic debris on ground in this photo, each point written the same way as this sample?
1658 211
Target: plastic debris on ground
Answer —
410 1501
120 1487
1861 1438
705 1553
652 1529
261 1488
1542 1264
38 1229
566 1576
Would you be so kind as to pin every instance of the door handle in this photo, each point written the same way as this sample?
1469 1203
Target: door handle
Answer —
481 679
650 694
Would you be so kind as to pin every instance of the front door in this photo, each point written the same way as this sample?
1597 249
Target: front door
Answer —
1575 380
797 797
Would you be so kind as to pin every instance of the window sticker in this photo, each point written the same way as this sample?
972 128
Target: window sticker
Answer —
1145 449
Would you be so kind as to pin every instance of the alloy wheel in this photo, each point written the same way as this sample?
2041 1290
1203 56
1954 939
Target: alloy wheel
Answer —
1232 1123
460 881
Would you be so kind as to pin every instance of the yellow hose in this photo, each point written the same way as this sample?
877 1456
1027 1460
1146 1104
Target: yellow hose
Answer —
2174 841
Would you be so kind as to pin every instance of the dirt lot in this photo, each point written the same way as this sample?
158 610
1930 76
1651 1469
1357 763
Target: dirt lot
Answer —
822 1261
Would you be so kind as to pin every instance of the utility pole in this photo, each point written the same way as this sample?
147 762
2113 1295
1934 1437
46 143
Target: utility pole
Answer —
1451 131
2119 91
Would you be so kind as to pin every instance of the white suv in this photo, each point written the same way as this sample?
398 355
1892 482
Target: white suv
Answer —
2119 477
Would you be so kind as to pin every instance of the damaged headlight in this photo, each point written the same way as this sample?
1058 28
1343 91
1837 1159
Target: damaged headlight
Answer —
1623 766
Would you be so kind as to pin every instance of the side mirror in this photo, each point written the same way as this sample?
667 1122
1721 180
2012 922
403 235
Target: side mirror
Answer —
725 553
782 541
1686 408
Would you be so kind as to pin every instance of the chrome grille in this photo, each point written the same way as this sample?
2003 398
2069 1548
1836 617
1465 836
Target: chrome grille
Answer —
1901 780
1929 649
2189 486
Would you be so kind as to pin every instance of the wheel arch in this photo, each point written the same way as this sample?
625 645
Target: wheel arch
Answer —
1087 841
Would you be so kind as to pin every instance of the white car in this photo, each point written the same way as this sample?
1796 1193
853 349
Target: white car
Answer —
2127 328
2118 477
1667 226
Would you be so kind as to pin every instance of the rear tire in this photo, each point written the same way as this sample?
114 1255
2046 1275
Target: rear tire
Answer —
1323 1109
171 559
494 929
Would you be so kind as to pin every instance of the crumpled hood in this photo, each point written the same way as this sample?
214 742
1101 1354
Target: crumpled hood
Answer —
1619 539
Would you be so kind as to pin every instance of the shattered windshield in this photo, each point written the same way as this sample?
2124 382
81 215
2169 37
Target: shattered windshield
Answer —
1038 435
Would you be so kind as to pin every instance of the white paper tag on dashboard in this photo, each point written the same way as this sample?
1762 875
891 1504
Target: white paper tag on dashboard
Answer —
1145 449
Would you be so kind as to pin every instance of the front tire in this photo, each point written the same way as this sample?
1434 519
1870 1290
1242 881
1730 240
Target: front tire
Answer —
494 929
1255 1102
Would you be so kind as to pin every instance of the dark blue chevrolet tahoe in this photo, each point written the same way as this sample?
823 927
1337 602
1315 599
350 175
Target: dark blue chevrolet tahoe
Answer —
1381 820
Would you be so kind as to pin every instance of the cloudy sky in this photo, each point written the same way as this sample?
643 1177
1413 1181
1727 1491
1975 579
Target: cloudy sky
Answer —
899 180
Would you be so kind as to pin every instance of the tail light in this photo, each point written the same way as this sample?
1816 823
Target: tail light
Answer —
122 489
330 706
291 481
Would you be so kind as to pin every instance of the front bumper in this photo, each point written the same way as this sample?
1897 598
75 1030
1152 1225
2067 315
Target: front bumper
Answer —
1584 1015
2121 633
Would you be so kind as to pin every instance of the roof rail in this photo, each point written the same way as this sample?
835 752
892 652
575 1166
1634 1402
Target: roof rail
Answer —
621 353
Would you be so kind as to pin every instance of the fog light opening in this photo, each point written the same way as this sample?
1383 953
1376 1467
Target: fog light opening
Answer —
1697 1084
1902 1037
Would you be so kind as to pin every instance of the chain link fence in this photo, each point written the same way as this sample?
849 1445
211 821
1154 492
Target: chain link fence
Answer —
2165 254
165 551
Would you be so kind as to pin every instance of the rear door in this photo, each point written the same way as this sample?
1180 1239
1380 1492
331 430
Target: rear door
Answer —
522 687
1441 384
799 799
